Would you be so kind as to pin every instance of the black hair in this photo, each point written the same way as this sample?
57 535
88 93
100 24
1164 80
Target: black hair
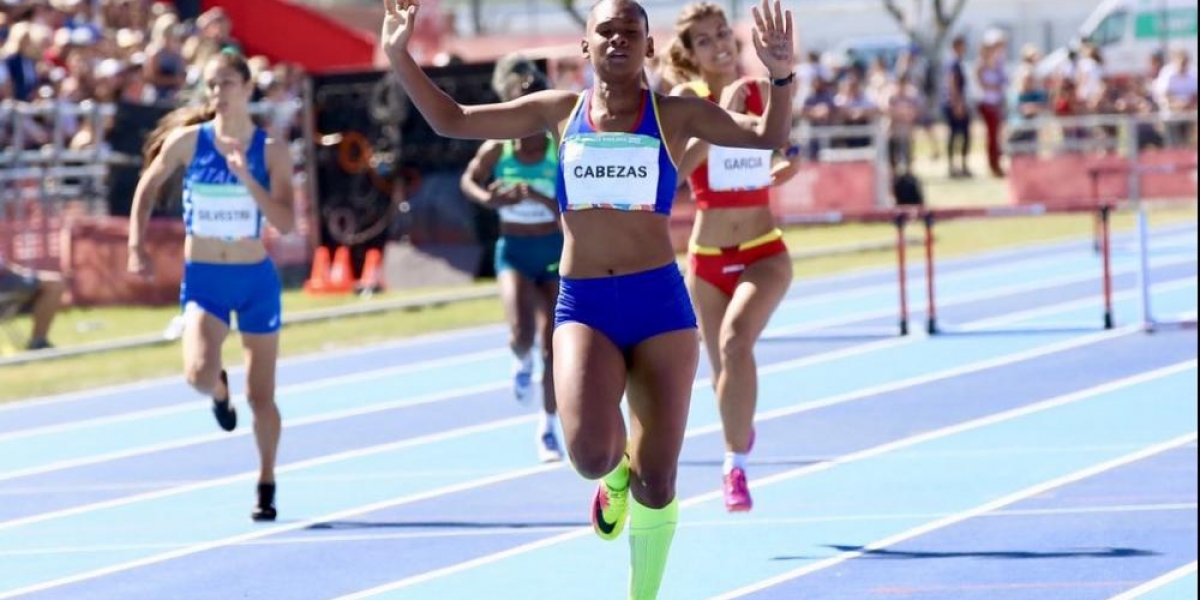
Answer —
230 57
641 10
516 69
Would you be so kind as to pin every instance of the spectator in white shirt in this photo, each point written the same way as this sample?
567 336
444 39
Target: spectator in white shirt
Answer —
1175 90
1089 76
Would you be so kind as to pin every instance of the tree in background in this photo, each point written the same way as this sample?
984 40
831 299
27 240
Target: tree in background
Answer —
477 17
568 5
930 40
574 13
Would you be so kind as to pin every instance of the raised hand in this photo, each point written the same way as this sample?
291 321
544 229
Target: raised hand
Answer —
773 38
235 157
399 21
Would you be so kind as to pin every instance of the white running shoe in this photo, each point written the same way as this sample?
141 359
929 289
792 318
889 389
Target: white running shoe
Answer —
523 379
548 448
174 329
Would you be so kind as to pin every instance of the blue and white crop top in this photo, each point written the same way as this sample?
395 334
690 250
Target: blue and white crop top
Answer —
215 203
630 171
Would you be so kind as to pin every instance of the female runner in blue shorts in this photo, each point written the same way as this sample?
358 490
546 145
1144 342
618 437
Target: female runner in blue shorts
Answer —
517 178
624 322
235 177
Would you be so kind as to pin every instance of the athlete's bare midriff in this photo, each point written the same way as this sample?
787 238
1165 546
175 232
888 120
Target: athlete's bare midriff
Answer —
605 243
726 227
227 252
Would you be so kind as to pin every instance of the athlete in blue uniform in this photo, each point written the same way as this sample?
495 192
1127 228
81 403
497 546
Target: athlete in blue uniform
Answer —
624 321
235 177
517 179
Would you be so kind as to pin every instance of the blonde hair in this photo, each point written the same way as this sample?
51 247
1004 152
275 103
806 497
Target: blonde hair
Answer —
678 64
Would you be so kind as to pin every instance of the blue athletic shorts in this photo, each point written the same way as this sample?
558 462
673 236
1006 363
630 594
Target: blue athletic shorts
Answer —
628 309
536 256
251 291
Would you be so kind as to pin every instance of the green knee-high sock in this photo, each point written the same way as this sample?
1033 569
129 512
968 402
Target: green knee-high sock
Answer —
650 535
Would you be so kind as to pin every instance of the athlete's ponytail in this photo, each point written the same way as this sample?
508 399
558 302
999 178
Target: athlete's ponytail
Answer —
180 117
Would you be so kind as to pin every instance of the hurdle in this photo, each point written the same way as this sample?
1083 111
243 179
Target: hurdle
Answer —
899 218
931 217
1150 323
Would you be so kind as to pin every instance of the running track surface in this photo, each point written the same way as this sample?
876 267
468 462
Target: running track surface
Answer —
1028 455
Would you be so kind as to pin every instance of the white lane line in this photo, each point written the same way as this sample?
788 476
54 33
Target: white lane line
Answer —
498 385
499 478
808 470
1157 582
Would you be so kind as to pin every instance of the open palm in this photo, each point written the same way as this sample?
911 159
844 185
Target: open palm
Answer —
399 20
773 38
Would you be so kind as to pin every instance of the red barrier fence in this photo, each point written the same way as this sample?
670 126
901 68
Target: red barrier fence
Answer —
90 251
823 186
95 257
1058 180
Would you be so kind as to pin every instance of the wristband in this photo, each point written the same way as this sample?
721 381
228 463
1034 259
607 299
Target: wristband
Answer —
783 81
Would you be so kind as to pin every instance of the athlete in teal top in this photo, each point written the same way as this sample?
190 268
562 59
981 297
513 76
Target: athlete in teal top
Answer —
517 179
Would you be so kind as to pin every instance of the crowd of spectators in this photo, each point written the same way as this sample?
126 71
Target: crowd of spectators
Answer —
66 52
1167 89
985 86
145 51
983 90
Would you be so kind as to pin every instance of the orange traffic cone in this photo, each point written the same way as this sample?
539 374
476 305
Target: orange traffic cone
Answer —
318 279
341 276
372 273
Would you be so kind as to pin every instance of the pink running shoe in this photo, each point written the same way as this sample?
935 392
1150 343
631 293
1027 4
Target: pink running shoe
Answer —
737 492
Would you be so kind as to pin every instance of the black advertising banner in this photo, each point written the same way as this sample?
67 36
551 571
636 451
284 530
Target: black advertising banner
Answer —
369 139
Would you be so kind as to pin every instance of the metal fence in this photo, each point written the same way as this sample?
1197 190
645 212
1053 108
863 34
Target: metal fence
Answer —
1124 135
52 173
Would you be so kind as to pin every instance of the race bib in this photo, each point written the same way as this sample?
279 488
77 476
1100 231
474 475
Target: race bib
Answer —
530 211
224 211
527 212
738 169
611 170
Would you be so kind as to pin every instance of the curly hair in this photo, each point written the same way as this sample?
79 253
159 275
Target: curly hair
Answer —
679 61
